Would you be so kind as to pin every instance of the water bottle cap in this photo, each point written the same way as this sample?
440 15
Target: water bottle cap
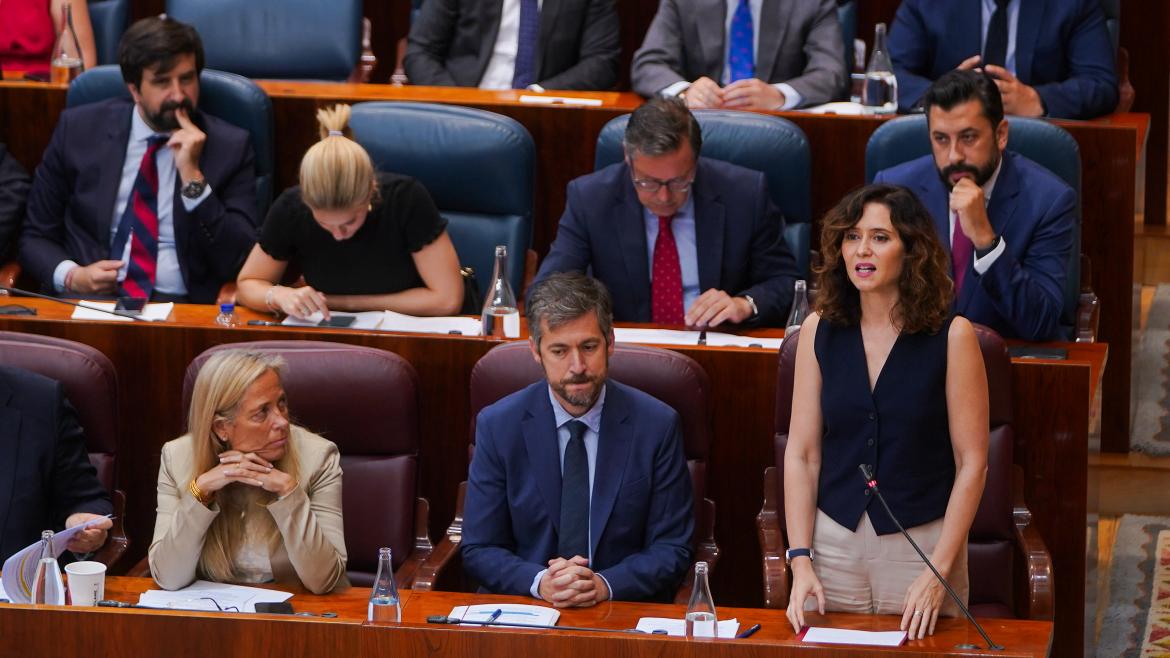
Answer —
227 307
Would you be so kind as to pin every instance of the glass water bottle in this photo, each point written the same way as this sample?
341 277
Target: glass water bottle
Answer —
66 64
880 93
384 602
701 610
799 308
47 586
500 317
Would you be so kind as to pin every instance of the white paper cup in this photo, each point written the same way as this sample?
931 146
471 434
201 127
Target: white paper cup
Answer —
87 582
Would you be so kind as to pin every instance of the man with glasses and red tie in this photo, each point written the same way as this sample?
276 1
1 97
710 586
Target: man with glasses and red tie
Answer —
147 199
1007 221
678 239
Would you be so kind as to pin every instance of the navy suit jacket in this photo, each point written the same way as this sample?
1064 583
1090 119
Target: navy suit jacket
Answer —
1062 49
1034 212
738 233
641 514
45 474
71 205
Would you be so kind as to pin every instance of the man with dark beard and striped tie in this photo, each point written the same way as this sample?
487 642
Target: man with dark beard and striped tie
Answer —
677 238
146 198
578 490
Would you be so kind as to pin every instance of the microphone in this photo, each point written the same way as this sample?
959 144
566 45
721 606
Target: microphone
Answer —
25 293
444 619
872 485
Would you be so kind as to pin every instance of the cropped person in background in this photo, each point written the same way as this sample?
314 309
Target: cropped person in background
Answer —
51 484
14 184
1049 58
245 496
743 54
515 44
362 240
1010 222
148 199
29 29
885 376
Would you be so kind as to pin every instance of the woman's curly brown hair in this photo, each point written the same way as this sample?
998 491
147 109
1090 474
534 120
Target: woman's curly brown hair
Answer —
924 288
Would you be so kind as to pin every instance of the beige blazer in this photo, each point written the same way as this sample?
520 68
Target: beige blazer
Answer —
312 550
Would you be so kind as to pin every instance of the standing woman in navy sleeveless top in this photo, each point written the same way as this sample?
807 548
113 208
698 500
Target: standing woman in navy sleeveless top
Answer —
886 377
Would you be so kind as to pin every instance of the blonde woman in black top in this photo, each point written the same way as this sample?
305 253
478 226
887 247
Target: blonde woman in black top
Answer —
362 240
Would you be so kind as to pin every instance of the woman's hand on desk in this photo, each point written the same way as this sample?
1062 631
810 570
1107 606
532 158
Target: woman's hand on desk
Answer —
804 584
923 600
300 302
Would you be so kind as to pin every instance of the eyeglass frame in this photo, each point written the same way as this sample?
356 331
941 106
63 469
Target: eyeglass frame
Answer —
652 185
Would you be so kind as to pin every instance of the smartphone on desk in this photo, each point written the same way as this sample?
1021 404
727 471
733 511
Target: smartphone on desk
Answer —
281 608
130 305
337 321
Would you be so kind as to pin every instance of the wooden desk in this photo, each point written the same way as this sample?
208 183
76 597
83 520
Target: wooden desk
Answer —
1051 416
53 631
566 136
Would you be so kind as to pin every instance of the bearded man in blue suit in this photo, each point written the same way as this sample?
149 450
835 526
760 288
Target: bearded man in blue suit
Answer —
579 490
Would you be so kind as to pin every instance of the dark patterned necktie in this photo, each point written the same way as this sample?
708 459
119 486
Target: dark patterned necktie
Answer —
574 536
139 225
740 61
525 72
666 298
995 48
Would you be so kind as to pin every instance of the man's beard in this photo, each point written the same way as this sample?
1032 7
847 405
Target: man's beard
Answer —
165 120
980 174
584 399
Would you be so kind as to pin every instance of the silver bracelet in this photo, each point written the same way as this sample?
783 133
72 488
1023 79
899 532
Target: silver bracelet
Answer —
268 298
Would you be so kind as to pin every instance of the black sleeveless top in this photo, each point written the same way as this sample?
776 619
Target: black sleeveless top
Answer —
900 428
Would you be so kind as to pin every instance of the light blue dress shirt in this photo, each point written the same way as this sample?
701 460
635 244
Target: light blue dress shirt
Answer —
592 420
683 228
1013 9
169 277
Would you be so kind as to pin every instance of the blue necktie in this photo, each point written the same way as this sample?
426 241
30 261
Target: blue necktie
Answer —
574 534
525 73
740 61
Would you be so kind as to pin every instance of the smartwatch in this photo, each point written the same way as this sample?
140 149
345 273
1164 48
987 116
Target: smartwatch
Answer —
797 552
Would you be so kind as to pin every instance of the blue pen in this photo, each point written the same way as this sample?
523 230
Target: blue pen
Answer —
749 632
495 615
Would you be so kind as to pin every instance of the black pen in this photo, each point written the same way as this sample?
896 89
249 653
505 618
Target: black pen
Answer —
703 337
748 633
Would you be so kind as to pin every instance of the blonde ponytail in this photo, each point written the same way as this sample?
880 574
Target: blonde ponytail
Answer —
336 172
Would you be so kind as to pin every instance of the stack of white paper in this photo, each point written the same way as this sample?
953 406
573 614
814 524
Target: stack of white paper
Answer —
368 320
677 337
152 312
204 595
511 613
728 628
867 638
433 325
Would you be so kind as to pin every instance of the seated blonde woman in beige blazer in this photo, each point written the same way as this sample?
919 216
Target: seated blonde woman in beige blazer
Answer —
247 497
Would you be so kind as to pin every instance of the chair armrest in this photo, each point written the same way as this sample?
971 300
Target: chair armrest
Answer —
777 577
445 551
116 541
9 273
422 544
1036 563
227 293
706 550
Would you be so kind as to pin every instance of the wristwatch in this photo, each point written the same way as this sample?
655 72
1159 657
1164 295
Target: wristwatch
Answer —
798 552
980 253
751 302
194 189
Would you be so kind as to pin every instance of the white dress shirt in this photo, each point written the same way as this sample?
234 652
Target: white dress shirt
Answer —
169 276
501 66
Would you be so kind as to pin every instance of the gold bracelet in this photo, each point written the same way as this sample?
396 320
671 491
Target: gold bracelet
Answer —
198 493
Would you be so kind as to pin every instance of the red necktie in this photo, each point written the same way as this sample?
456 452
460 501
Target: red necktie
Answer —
962 250
666 282
139 225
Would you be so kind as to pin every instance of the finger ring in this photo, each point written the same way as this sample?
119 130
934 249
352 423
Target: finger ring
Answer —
917 613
